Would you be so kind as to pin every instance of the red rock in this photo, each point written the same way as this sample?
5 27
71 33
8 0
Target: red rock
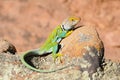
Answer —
79 39
85 49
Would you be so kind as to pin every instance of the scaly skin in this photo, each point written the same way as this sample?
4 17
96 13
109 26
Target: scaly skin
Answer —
51 44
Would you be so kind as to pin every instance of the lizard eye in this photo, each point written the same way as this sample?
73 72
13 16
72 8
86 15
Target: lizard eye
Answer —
72 20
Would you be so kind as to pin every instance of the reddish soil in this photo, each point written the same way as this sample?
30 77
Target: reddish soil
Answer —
27 23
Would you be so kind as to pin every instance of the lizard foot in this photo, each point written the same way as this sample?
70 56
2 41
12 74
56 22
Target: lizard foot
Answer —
58 55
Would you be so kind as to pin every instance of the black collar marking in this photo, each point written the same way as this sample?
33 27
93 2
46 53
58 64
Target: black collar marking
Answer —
63 28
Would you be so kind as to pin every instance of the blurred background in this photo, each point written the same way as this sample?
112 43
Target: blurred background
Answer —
27 23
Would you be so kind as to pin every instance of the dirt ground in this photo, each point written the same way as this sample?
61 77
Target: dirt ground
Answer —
27 23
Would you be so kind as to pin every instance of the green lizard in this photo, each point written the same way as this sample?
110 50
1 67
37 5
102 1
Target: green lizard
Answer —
52 43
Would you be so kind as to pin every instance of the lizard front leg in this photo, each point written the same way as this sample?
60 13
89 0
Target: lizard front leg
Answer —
55 53
68 33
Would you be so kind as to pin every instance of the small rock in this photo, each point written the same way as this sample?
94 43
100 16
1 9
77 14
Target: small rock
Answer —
6 46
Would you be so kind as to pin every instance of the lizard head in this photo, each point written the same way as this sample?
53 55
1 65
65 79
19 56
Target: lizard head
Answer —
70 22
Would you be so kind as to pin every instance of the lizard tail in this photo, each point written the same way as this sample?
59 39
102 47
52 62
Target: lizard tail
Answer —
36 52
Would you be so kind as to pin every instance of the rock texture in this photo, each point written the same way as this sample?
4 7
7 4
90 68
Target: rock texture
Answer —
12 69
